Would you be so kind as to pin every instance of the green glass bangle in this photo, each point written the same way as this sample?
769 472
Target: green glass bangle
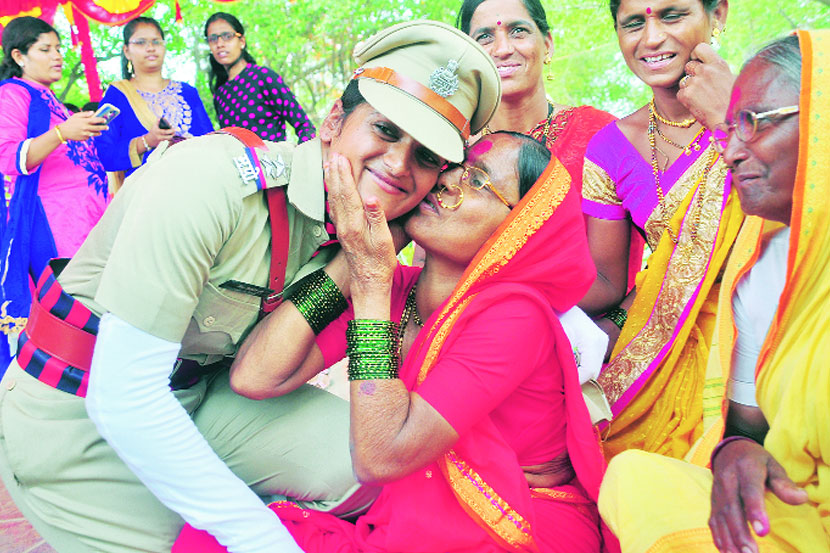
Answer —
319 300
373 348
618 316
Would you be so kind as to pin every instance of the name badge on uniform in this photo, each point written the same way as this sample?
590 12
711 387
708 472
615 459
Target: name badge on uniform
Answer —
246 288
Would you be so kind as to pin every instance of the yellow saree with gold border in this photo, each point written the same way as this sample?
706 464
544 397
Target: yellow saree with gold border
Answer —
657 380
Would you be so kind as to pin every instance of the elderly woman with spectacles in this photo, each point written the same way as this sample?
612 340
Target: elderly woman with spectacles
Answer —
153 109
246 94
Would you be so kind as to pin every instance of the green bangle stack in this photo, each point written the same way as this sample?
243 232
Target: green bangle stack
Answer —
618 316
373 349
319 300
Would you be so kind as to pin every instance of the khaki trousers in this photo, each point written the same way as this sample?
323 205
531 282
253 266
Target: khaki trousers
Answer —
80 497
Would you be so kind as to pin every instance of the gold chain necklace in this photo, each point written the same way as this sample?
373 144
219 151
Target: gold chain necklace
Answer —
655 169
687 150
685 124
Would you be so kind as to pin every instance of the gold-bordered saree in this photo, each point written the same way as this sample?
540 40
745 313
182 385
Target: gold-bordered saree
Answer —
657 380
541 245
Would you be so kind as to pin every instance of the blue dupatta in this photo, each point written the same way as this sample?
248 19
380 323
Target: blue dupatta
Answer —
26 240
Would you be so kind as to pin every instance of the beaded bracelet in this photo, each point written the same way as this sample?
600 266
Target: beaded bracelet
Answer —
319 300
373 349
60 136
618 316
723 443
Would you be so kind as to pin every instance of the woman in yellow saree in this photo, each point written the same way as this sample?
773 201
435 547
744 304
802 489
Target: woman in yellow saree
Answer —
780 490
657 169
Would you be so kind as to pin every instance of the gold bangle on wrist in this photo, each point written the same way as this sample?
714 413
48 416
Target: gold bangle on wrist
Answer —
146 146
60 136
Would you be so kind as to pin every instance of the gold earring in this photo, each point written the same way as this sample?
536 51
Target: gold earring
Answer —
444 189
129 66
716 34
548 75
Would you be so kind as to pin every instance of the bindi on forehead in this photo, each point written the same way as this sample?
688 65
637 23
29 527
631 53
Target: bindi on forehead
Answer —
648 11
478 149
498 22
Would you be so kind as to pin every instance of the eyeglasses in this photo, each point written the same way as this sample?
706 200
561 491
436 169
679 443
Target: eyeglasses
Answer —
227 36
143 42
746 125
476 179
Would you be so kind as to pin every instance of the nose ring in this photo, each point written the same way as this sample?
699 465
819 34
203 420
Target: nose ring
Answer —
444 189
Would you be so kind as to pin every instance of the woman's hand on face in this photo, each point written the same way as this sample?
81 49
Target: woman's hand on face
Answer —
82 125
743 471
707 86
157 135
362 231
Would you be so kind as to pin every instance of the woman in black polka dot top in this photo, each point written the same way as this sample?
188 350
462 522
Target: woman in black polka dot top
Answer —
245 94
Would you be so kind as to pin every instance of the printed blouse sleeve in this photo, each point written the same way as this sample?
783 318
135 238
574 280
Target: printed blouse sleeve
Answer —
484 364
182 209
201 123
113 144
599 191
288 108
13 120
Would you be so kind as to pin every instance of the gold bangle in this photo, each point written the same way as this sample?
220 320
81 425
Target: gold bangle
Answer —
60 136
146 146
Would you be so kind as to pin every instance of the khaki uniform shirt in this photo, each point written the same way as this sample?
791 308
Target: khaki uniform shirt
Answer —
185 223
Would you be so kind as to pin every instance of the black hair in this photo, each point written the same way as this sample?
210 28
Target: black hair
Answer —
534 9
351 98
614 6
71 107
785 54
533 158
90 106
129 30
217 74
20 34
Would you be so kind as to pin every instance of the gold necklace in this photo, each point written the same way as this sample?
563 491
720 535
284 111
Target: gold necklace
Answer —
687 150
685 124
655 169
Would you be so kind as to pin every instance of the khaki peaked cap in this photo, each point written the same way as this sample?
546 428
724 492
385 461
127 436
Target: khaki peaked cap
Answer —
430 79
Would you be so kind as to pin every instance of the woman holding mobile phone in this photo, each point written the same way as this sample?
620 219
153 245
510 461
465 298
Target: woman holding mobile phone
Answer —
153 109
54 181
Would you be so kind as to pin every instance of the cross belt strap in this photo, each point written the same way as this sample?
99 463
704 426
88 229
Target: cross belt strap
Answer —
277 214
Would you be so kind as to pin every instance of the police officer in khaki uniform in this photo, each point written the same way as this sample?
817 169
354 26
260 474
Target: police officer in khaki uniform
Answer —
96 449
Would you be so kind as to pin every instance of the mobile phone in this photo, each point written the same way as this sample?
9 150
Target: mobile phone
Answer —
108 112
163 124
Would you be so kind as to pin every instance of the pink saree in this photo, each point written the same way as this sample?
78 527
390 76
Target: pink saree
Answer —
495 362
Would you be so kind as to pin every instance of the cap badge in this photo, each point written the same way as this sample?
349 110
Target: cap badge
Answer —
443 80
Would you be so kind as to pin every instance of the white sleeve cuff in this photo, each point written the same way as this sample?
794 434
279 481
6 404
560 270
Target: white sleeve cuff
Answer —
22 155
131 404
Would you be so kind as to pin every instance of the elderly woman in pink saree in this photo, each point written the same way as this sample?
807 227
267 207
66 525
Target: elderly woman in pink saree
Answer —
488 398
